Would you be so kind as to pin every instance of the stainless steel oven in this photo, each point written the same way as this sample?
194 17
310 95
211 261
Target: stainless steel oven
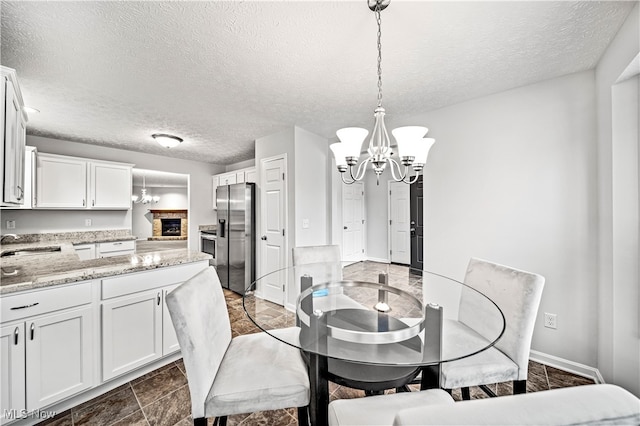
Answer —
208 244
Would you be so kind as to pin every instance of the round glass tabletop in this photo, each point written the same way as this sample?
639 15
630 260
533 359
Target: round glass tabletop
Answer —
374 313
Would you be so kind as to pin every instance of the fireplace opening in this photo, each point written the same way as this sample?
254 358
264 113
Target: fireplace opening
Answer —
170 227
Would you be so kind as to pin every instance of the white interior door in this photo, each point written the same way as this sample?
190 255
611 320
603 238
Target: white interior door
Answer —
353 222
399 218
272 241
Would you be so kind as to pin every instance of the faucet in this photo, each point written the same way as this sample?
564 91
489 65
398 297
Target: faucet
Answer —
14 236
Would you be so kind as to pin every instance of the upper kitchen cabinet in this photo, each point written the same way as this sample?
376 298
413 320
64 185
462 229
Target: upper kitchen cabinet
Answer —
64 182
247 175
14 126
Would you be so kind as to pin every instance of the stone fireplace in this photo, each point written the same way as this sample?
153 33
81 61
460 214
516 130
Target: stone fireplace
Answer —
169 224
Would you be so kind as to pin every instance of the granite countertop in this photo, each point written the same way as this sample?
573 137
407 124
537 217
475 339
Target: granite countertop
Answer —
27 272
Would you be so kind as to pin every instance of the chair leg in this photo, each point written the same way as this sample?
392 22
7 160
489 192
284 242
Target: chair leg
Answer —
200 421
303 416
519 386
466 395
219 421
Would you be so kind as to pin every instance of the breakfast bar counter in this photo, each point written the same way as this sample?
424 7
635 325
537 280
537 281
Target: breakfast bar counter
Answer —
48 261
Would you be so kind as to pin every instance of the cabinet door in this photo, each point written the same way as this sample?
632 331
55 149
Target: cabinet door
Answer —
13 191
60 358
131 332
250 176
85 251
169 339
229 179
29 177
110 186
12 367
61 182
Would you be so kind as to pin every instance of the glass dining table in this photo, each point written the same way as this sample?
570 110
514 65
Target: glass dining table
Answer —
372 326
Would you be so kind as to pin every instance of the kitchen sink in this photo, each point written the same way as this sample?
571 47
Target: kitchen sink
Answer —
31 251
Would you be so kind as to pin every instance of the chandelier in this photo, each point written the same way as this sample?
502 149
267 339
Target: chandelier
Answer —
144 198
413 147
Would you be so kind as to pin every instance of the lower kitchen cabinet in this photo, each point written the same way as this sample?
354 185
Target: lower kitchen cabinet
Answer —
131 332
169 338
45 359
59 356
136 326
12 372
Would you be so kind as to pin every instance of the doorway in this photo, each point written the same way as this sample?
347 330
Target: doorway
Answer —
416 224
165 192
399 227
353 222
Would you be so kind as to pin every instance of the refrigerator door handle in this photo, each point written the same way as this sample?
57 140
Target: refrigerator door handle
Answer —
221 228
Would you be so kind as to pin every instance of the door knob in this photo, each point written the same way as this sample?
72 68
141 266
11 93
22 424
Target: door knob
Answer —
263 238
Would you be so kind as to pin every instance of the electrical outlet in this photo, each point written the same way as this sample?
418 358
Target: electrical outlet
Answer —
11 224
87 222
550 320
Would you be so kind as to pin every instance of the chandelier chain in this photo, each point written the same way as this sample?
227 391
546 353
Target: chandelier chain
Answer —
379 22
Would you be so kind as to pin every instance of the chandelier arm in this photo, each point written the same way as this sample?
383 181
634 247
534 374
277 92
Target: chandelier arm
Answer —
415 179
361 170
393 173
346 181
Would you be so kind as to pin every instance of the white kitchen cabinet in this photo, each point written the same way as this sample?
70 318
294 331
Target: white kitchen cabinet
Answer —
85 251
131 332
239 176
64 182
115 248
61 182
136 326
169 338
12 372
14 122
59 356
250 175
110 185
47 347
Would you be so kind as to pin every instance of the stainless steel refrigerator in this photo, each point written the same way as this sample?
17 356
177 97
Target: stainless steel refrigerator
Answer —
236 245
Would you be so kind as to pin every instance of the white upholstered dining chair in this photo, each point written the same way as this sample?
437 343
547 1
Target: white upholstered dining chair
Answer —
226 375
517 293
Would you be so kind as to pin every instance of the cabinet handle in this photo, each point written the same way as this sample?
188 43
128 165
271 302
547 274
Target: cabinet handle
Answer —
33 330
21 192
25 306
117 244
16 333
93 203
158 299
84 203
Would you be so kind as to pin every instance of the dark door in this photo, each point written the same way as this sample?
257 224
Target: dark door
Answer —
417 225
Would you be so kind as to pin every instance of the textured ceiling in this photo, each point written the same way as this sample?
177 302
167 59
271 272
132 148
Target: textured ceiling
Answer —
221 74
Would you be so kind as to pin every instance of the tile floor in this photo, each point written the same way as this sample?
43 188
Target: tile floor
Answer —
162 396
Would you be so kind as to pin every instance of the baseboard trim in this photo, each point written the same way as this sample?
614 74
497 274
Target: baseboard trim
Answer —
377 259
567 365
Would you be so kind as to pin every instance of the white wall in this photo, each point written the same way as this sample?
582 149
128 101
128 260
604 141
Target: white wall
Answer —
170 199
511 179
200 189
310 181
241 165
617 355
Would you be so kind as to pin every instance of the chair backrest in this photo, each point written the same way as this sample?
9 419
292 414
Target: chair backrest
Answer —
199 314
517 293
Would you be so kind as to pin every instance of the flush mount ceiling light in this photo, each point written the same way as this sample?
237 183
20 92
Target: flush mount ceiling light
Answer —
168 141
30 110
413 147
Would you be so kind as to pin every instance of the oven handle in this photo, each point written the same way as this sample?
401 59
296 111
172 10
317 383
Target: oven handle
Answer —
209 237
